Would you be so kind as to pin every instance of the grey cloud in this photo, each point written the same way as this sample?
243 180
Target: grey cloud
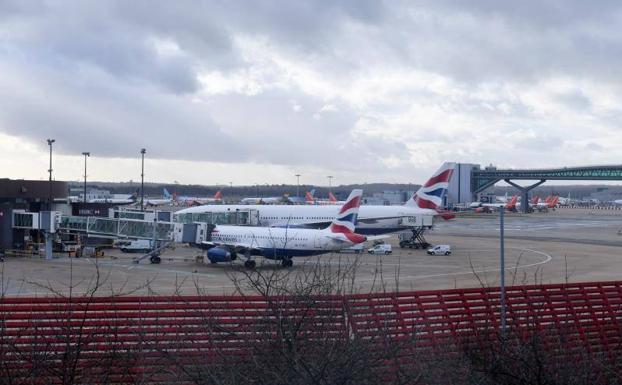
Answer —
276 133
111 120
591 146
575 100
89 71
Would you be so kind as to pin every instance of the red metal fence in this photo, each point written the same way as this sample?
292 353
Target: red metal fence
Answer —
134 335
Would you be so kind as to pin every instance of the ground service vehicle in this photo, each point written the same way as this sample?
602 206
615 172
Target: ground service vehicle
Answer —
383 248
440 250
136 246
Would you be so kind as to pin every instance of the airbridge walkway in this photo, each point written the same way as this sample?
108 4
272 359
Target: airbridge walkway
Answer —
483 179
187 228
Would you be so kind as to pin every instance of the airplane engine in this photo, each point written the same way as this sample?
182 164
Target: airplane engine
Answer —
218 254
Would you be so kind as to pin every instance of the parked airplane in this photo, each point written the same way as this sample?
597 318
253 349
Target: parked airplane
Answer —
418 211
490 207
263 200
284 243
311 200
167 199
618 201
196 201
118 199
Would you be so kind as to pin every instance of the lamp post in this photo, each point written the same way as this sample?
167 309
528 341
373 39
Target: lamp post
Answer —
50 141
142 179
297 185
330 181
86 155
502 268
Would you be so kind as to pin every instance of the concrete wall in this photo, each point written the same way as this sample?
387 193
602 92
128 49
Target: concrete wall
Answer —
460 185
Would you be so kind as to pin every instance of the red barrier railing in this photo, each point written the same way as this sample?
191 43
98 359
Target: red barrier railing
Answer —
143 332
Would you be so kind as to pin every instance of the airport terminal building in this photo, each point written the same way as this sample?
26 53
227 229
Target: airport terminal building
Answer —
28 195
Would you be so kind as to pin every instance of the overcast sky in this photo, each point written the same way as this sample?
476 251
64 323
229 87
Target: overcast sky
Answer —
257 91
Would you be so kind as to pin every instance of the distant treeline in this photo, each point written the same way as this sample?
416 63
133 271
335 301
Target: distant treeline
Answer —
341 192
155 189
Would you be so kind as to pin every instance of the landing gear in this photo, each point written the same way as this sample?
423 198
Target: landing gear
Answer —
287 262
249 263
155 259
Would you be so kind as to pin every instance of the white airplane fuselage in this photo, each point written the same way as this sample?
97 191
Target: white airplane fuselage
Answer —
275 243
372 220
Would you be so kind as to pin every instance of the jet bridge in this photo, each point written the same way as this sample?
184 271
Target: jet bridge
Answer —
187 228
118 227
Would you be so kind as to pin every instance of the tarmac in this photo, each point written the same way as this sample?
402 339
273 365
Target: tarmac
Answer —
564 245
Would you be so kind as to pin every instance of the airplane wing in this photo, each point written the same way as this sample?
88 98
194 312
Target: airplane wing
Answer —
236 246
376 219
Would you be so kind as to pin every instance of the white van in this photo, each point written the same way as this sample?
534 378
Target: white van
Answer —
137 246
383 248
440 250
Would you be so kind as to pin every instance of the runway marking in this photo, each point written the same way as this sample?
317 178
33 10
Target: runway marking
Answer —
546 260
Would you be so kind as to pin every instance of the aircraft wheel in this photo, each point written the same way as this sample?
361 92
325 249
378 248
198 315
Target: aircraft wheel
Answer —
155 259
249 264
287 263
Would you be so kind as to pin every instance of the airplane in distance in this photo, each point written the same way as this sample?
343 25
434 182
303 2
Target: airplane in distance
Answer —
196 201
263 200
167 199
227 242
418 211
311 200
490 207
118 199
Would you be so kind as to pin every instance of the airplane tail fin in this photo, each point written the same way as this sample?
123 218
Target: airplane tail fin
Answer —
309 197
165 193
430 195
345 221
512 203
218 195
535 200
331 197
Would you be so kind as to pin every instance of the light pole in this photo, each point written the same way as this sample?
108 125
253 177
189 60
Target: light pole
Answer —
330 181
297 185
50 141
502 267
86 155
142 179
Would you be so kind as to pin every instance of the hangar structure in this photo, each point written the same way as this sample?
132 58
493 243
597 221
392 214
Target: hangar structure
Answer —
488 177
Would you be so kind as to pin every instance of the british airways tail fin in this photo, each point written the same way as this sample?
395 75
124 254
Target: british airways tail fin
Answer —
345 221
218 195
430 195
331 197
348 213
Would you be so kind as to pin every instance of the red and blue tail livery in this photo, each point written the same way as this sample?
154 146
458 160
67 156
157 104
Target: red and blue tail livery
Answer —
430 195
345 221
